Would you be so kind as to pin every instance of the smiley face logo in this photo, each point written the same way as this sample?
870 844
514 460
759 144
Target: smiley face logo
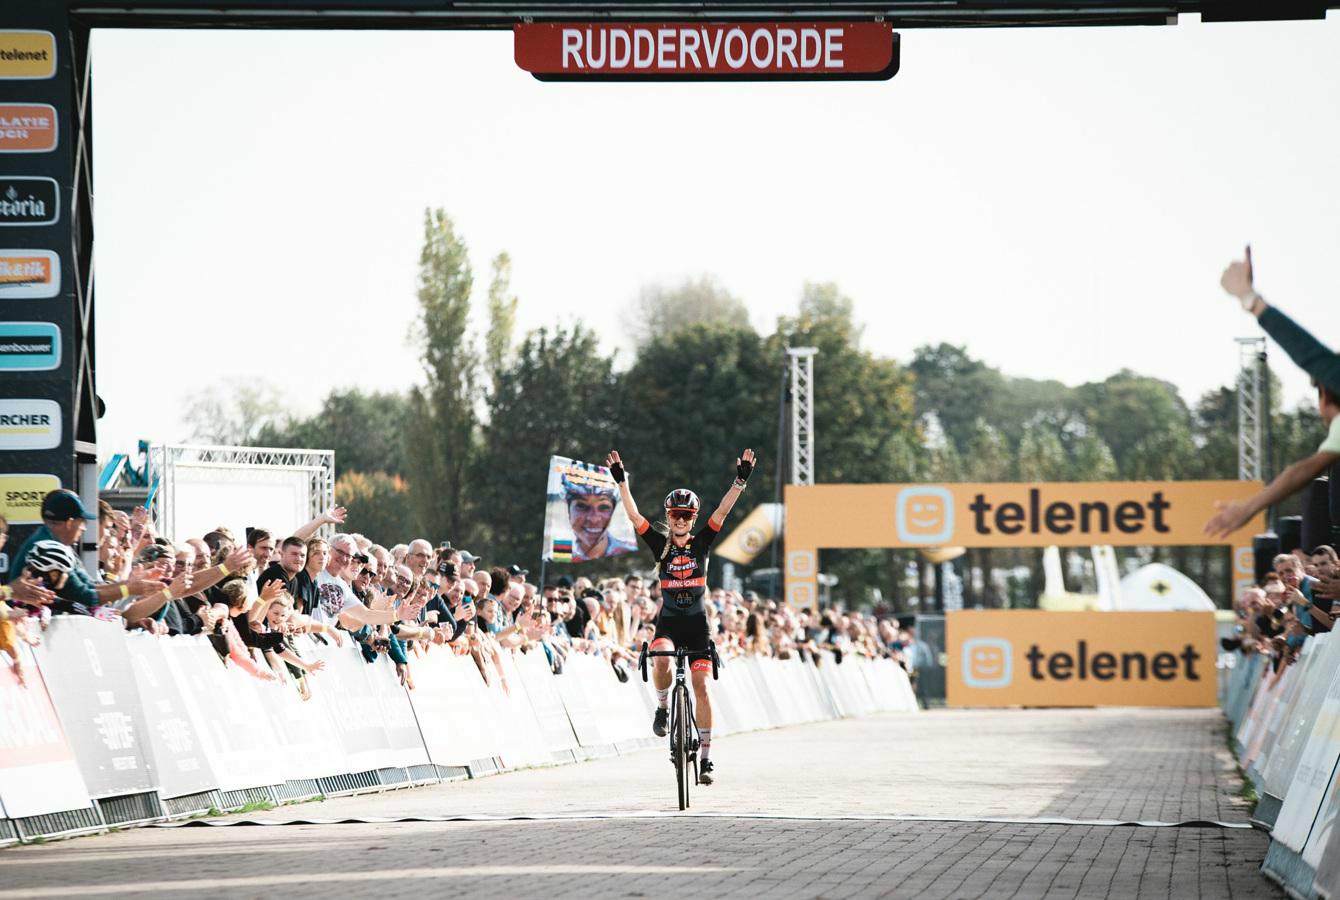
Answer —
987 662
924 515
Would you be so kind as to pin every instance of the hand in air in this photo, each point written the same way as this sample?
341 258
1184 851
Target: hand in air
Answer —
615 465
1237 278
744 464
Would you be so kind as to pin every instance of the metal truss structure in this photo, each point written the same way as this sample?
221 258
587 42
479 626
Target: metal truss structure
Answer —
802 413
319 466
1251 410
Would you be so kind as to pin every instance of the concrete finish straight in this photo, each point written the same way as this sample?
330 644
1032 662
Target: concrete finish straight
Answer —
1156 765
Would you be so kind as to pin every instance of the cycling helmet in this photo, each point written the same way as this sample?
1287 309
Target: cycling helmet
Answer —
590 486
682 498
51 556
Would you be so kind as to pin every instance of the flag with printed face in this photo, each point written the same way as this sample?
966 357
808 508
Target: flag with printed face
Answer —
583 515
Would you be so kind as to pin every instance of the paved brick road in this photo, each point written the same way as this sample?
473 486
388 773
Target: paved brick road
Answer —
1091 764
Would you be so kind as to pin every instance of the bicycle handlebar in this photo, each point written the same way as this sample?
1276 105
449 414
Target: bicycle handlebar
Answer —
678 652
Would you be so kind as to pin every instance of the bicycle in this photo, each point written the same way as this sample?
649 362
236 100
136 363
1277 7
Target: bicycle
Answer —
683 749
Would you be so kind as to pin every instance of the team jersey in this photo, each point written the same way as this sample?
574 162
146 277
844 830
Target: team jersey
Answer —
683 570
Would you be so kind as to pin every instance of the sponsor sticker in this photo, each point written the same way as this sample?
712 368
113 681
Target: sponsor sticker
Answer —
21 497
29 274
27 54
29 424
29 346
27 127
29 201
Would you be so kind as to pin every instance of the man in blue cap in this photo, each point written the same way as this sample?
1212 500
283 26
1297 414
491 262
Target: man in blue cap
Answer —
64 519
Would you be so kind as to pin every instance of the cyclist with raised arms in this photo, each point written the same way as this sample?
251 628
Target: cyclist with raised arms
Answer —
681 560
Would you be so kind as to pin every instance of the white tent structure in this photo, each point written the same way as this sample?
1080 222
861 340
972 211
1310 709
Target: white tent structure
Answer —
1160 588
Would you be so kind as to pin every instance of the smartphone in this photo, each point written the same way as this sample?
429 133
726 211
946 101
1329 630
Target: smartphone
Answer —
444 547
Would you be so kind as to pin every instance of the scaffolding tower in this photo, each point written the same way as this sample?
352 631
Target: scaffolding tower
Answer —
802 413
1251 408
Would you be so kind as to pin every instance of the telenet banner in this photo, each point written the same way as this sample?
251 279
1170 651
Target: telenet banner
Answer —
1026 657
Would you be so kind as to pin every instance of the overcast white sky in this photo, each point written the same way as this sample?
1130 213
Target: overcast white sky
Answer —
1060 201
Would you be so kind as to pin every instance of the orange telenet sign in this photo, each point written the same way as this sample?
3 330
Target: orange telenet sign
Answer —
1037 658
1131 513
1069 514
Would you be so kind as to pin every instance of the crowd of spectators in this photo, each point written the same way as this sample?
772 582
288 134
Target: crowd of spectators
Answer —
1297 598
250 595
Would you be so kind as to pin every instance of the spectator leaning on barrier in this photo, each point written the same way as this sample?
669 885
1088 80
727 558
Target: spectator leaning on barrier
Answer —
336 603
1314 358
64 520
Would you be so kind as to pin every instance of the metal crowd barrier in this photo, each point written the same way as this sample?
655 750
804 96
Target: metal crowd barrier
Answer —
113 728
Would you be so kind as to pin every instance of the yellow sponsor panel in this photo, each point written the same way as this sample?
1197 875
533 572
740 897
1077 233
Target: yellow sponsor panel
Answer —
1037 658
21 497
1072 514
27 54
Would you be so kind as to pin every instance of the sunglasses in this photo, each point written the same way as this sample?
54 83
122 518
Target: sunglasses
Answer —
682 515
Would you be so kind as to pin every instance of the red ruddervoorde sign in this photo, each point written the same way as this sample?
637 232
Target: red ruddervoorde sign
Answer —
673 50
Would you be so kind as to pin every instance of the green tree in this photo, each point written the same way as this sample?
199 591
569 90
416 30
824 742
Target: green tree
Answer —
692 400
366 431
958 389
1042 455
559 396
502 319
1143 421
865 420
377 504
441 430
659 311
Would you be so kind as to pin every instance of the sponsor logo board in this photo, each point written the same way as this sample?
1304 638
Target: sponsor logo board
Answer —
27 54
29 424
29 201
29 346
1039 658
27 128
1073 514
21 497
29 274
665 50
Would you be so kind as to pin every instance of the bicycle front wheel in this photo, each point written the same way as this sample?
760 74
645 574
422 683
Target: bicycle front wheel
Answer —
680 737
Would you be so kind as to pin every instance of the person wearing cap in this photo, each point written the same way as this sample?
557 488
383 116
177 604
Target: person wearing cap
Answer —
64 520
516 574
468 563
1314 358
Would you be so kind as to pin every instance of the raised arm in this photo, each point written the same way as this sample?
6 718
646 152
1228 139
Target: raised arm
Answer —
333 516
744 465
620 477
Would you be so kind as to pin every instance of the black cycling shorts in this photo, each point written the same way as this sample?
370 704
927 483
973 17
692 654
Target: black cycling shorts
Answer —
689 632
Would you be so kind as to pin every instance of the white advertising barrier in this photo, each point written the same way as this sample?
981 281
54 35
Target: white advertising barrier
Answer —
85 665
576 700
1245 680
522 738
1308 788
239 741
38 770
1297 729
1261 699
442 712
546 704
1263 712
1291 687
182 764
